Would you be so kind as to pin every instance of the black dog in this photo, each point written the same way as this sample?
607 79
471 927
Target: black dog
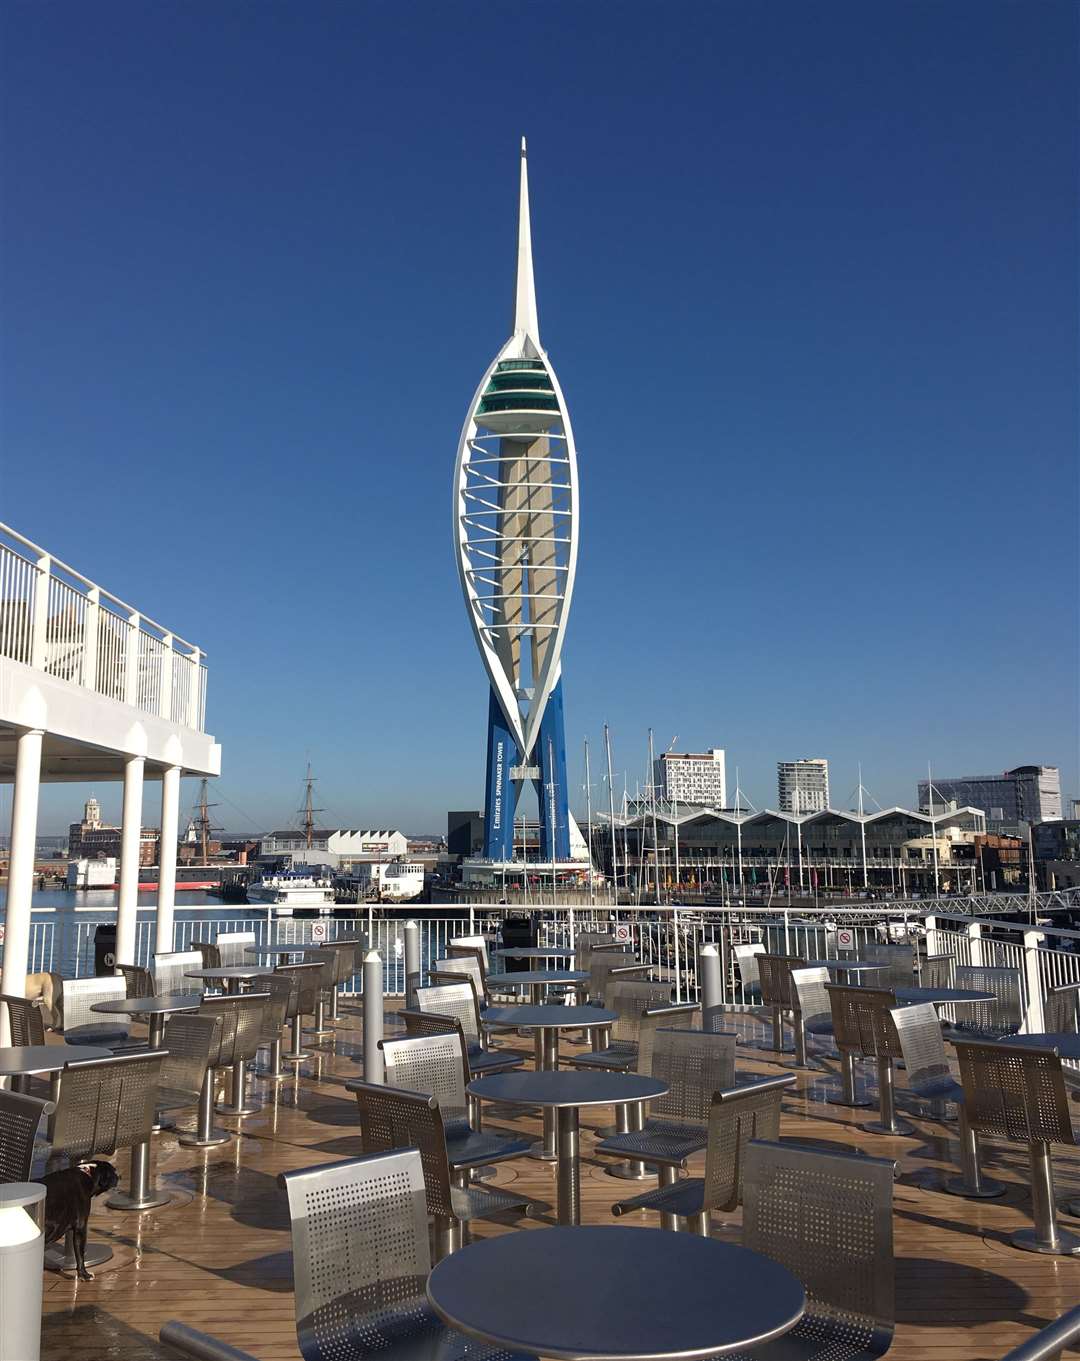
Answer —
68 1195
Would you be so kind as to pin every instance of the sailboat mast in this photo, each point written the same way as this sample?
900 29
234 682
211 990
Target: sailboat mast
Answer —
611 814
588 815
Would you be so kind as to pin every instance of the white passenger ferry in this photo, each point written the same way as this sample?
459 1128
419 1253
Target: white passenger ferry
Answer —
302 886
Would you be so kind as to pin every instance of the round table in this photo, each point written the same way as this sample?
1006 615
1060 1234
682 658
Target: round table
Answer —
537 952
565 1093
275 951
536 980
547 1021
27 1060
232 975
943 996
844 966
605 1293
1066 1043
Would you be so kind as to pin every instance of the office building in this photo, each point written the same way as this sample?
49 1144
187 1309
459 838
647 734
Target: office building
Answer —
692 777
1024 794
803 786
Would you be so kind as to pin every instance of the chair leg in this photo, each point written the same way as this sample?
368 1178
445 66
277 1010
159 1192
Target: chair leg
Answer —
628 1118
800 1039
320 1029
971 1182
699 1224
1046 1236
205 1134
297 1054
887 1123
273 1072
849 1095
447 1236
668 1176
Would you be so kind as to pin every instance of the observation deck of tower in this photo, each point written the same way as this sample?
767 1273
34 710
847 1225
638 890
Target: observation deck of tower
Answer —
516 533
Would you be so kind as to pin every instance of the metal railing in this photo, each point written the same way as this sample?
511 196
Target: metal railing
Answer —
58 621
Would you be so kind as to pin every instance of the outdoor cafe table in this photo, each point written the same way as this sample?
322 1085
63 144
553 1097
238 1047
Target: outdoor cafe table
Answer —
547 1021
845 966
606 1293
1066 1043
276 951
232 975
943 996
536 980
20 1061
536 951
565 1093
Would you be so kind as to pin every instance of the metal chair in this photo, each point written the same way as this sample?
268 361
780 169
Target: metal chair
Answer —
308 978
460 1001
171 970
138 981
20 1116
25 1019
396 1118
477 1062
694 1064
774 974
1060 1011
737 1116
453 968
1017 1093
990 1020
232 947
746 957
827 1217
1049 1343
239 1035
938 971
344 967
83 1026
250 1014
604 963
209 954
918 1028
811 1010
472 943
629 999
326 958
863 1028
190 1342
189 1041
279 989
900 958
361 1262
105 1105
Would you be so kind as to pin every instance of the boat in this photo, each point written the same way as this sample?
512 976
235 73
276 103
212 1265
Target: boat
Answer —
301 886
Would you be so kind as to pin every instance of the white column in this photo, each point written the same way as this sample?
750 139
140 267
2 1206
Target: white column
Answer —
24 810
130 830
170 825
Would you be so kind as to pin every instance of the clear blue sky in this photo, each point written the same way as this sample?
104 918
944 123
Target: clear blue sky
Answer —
808 274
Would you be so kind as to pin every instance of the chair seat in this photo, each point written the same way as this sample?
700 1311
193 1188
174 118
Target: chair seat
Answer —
104 1033
476 1147
661 1141
477 1202
494 1061
619 1057
685 1197
406 1330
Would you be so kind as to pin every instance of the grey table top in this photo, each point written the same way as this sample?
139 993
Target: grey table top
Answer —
567 1087
1067 1045
844 965
536 952
956 995
550 1017
45 1058
267 951
151 1006
527 976
606 1293
228 971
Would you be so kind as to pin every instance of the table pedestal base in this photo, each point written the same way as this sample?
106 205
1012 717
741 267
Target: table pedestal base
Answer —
568 1175
627 1119
59 1258
887 1122
971 1183
205 1134
273 1072
238 1103
849 1095
140 1195
297 1054
1046 1237
546 1053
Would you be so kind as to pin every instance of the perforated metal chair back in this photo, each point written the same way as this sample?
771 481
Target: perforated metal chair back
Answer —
474 953
861 1021
459 966
736 1116
209 954
673 1018
324 958
25 1019
421 1024
1014 1092
241 1023
809 993
361 1258
918 1029
1002 1016
307 978
694 1064
1060 1010
279 989
139 982
746 957
171 970
344 962
938 971
900 958
106 1104
629 999
394 1118
431 1064
473 943
79 994
827 1217
232 947
453 999
774 972
20 1117
190 1040
601 964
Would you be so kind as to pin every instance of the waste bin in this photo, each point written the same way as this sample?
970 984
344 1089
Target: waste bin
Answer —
523 932
105 949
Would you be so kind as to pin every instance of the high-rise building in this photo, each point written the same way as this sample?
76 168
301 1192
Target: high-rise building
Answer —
516 530
692 777
1024 794
803 786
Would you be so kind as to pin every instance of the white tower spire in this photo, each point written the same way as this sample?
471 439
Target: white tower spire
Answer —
525 318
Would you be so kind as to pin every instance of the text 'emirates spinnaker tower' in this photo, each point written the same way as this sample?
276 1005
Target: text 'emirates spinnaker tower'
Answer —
516 530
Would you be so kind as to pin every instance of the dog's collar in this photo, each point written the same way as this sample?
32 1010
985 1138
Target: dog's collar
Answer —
87 1169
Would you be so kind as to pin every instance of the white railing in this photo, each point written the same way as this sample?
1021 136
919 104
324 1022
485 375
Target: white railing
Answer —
58 621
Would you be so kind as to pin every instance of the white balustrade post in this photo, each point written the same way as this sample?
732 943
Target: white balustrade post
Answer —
39 618
677 952
1034 1023
170 826
20 887
931 936
975 936
709 977
130 836
165 694
91 618
412 962
194 661
131 663
373 1017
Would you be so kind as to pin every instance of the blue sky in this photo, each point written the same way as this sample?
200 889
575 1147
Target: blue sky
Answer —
807 274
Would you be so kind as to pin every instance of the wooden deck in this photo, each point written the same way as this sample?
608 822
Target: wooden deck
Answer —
219 1258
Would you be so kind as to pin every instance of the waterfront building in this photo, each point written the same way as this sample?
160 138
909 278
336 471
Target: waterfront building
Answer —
516 541
1024 794
93 839
803 786
692 777
1056 846
334 846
